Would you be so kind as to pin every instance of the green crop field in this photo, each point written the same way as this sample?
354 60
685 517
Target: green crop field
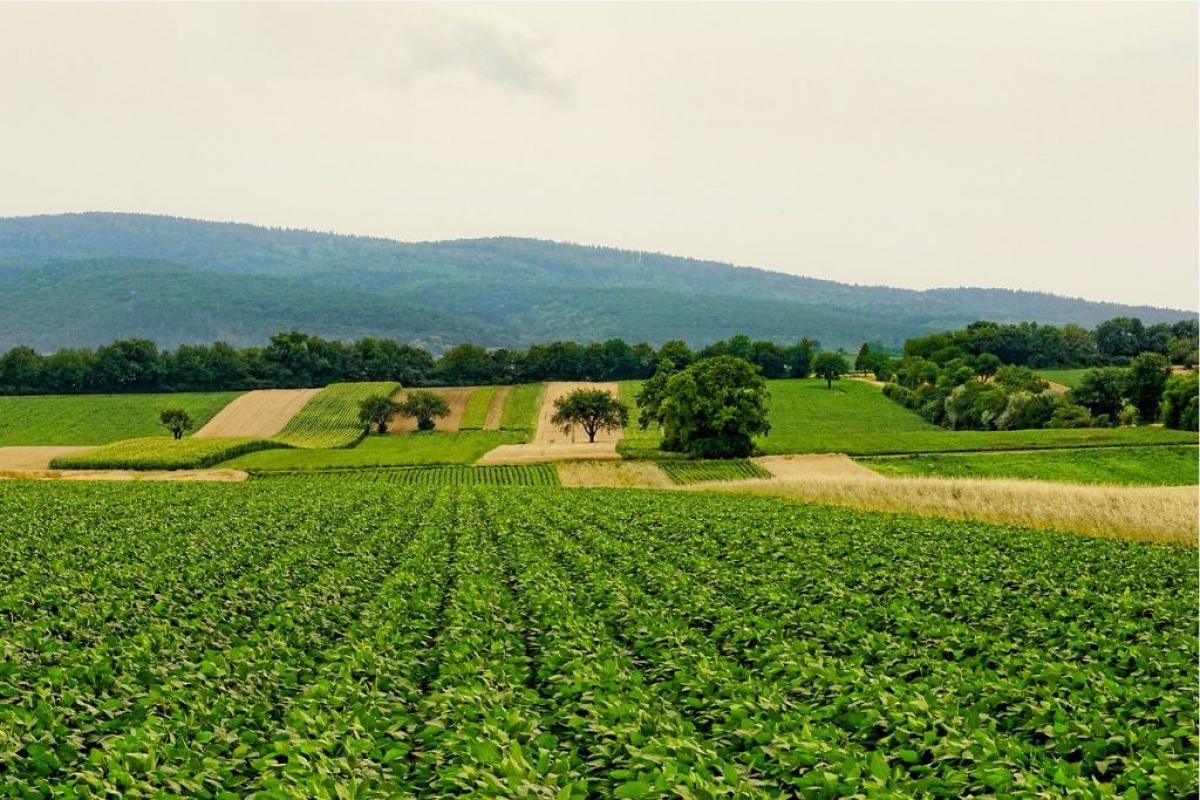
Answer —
504 475
1137 466
521 408
806 417
99 418
1067 377
436 447
162 453
702 471
330 418
307 637
475 414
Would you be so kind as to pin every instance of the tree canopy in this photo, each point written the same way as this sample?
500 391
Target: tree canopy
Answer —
713 409
424 406
593 410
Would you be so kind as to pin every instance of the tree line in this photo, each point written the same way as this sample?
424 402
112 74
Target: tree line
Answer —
296 359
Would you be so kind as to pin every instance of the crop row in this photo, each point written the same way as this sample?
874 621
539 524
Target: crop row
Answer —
457 475
681 471
330 418
317 637
161 452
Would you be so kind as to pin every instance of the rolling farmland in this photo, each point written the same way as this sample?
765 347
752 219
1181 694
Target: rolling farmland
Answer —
317 643
507 475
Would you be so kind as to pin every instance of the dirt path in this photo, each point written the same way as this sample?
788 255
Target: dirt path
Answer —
187 475
261 413
549 433
21 458
456 397
495 412
1057 388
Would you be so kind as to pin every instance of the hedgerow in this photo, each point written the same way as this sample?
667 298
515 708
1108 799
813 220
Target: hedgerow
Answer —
274 639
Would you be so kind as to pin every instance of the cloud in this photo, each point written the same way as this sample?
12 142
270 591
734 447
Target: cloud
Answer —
509 59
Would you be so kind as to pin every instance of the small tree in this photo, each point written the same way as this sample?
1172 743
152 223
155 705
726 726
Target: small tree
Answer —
377 410
864 361
829 366
176 420
593 410
986 365
424 406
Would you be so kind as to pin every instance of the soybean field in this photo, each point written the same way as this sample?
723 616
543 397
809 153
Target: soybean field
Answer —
335 637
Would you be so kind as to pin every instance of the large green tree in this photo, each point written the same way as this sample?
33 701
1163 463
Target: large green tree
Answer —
593 410
1101 391
1144 384
713 409
1180 401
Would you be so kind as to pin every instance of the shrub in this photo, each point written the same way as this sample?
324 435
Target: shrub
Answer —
1069 415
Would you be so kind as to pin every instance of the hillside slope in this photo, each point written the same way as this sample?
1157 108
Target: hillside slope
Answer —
85 279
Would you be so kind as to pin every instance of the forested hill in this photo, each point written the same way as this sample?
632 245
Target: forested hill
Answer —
85 279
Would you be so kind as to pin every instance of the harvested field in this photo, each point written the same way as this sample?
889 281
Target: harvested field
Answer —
820 465
495 411
539 453
456 397
24 458
1167 515
185 475
614 474
259 414
548 433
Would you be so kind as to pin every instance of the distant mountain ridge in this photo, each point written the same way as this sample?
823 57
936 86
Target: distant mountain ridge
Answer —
71 280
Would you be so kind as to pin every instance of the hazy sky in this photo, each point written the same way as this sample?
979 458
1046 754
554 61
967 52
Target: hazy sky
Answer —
1042 146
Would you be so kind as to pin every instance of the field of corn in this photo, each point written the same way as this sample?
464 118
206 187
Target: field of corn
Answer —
336 638
162 452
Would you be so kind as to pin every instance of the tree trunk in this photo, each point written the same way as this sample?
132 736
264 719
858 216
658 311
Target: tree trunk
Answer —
829 383
178 434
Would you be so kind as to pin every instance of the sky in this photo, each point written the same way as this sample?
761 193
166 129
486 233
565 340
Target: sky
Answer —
1045 146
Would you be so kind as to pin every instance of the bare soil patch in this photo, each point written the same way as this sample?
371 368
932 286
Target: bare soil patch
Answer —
456 397
1056 388
495 412
187 475
22 458
549 433
261 413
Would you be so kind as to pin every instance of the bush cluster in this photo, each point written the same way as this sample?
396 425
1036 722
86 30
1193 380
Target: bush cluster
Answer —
970 393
